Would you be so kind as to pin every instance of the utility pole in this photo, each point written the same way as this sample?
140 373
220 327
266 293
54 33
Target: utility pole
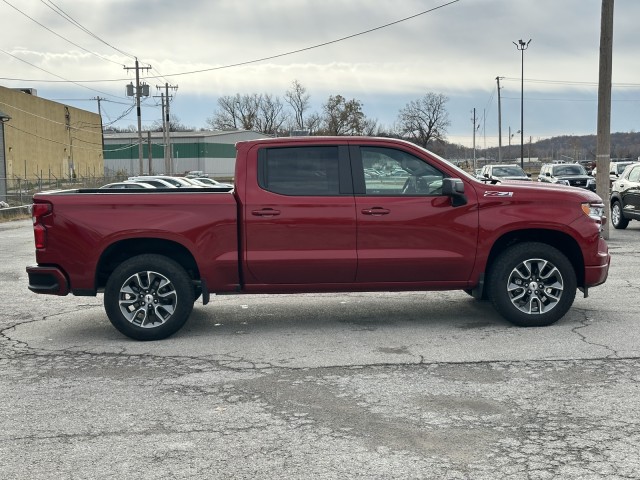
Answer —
140 90
150 152
499 124
473 120
522 46
167 170
603 148
166 126
101 125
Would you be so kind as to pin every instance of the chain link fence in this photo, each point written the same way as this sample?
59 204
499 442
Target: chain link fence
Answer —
17 191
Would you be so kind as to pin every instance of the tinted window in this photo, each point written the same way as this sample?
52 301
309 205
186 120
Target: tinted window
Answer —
394 172
300 170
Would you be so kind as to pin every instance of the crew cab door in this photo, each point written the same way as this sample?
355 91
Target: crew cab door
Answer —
408 231
299 219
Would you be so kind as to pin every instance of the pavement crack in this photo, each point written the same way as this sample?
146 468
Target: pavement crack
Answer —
586 322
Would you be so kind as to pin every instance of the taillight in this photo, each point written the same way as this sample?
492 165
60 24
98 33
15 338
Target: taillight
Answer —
38 211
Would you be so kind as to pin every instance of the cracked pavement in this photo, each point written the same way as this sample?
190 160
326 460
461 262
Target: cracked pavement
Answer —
375 386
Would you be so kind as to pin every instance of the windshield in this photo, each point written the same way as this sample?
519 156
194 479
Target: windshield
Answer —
509 172
621 166
450 164
569 170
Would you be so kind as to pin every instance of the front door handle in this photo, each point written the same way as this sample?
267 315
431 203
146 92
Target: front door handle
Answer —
375 211
266 212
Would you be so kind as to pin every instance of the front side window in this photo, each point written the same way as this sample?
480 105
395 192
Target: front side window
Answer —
300 170
388 171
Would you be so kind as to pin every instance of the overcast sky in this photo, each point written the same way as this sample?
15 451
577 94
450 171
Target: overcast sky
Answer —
458 50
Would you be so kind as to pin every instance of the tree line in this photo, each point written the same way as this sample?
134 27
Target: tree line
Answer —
423 120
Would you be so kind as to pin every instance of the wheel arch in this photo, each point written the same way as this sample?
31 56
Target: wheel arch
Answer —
123 250
559 240
615 197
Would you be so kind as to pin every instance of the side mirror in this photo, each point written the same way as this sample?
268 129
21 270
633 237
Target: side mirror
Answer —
454 188
548 174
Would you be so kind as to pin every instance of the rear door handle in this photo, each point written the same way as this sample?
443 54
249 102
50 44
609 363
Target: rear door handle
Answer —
375 211
266 212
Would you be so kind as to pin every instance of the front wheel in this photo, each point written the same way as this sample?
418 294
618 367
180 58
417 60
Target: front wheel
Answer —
532 284
618 221
148 297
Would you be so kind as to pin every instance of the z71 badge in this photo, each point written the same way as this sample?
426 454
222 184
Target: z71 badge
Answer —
498 194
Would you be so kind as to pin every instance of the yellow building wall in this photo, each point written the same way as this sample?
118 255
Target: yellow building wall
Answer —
46 138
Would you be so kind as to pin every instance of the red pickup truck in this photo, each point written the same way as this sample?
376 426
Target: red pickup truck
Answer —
321 214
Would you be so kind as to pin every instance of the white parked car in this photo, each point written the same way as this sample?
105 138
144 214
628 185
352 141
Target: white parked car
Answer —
177 182
127 185
211 182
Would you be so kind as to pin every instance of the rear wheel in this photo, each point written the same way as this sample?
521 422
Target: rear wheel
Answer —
148 297
532 284
617 219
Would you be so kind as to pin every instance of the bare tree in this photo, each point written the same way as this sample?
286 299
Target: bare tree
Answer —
174 125
313 123
264 113
342 117
271 115
370 127
236 112
424 120
248 108
298 98
226 116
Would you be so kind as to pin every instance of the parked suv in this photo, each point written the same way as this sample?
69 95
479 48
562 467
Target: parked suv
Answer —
625 197
496 173
572 174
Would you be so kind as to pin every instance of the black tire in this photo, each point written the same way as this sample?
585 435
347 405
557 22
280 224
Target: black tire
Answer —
532 284
617 220
148 297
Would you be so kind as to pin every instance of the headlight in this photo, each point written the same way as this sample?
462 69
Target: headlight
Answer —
595 211
563 182
591 181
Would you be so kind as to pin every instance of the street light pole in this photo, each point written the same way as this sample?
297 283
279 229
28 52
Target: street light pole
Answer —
522 46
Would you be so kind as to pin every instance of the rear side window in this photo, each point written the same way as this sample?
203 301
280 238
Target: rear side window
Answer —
311 171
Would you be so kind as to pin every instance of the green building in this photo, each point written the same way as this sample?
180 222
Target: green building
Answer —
212 152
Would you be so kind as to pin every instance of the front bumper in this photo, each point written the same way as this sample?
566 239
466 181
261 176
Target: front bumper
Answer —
597 274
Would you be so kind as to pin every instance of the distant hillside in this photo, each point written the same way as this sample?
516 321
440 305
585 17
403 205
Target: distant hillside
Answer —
566 147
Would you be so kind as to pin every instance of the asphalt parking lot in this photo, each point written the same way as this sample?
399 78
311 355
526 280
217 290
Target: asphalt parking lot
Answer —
383 386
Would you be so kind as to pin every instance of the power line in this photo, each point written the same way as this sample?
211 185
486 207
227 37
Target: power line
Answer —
568 99
571 82
258 60
47 119
55 8
55 75
58 35
10 125
324 44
